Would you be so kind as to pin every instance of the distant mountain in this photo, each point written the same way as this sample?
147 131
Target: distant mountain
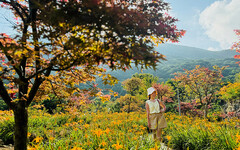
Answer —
182 57
185 52
179 58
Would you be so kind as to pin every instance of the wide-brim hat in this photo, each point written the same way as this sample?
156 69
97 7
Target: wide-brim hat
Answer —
150 90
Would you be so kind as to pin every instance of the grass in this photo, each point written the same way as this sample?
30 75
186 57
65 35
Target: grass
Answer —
120 131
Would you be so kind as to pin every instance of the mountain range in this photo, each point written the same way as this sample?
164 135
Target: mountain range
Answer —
179 58
183 57
185 52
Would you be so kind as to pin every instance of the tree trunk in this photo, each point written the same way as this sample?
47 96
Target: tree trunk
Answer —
21 126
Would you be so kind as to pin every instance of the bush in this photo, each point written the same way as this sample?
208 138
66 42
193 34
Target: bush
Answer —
6 131
3 105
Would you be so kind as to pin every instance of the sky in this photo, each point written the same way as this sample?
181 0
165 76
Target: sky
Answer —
209 24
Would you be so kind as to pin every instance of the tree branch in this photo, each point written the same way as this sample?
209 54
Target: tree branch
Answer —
65 68
13 4
4 94
34 89
17 4
23 10
37 72
54 90
37 83
49 68
10 59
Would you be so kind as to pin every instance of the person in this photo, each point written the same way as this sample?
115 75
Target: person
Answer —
155 114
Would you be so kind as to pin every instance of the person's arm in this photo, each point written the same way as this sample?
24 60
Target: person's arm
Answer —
148 113
163 106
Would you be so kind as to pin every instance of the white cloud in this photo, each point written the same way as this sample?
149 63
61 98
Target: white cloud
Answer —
220 19
213 49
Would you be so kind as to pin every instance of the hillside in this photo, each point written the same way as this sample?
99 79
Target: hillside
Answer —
179 58
185 52
183 57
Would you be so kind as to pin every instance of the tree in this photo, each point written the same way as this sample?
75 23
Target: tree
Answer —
165 93
68 37
76 104
231 93
129 103
132 86
236 45
237 77
183 94
164 90
203 82
190 108
147 80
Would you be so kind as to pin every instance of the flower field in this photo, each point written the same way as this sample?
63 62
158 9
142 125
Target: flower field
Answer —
195 133
119 131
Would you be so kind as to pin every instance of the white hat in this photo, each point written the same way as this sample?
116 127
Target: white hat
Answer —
150 90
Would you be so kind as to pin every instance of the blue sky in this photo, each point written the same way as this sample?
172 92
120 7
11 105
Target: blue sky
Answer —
209 23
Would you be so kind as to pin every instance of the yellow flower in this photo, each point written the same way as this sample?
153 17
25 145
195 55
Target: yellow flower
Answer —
86 125
51 138
32 148
98 132
76 148
38 139
107 130
28 134
168 137
103 143
238 138
142 127
155 148
135 138
135 126
238 148
117 146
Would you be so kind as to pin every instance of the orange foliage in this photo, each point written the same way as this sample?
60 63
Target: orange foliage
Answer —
236 45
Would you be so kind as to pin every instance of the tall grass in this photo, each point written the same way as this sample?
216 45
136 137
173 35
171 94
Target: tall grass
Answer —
198 134
102 131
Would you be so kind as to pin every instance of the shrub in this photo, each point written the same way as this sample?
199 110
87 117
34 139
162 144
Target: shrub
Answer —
6 131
